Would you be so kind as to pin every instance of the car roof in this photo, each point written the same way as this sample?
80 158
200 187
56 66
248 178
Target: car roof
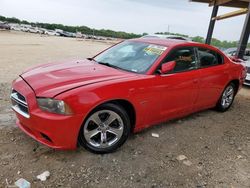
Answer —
163 36
163 42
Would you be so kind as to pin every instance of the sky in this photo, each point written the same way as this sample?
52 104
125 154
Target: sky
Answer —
137 16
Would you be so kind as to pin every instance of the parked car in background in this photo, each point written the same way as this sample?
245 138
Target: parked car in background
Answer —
167 37
25 27
51 33
66 34
79 35
233 51
33 30
97 102
247 81
4 25
15 27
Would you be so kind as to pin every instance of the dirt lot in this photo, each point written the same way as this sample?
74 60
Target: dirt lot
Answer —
217 145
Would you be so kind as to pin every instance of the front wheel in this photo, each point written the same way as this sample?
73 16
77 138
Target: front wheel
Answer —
105 129
227 98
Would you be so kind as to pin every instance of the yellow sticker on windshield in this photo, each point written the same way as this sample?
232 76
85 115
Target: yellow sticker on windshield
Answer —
154 49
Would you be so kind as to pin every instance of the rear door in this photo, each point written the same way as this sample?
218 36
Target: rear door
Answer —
213 77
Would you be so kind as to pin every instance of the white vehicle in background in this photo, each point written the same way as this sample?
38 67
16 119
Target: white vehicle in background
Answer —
25 27
101 38
51 33
42 30
33 30
233 51
59 31
247 81
161 36
15 27
79 35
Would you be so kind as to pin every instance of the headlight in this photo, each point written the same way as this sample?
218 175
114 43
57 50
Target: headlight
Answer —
54 106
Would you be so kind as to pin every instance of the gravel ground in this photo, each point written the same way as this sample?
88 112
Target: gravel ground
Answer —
206 149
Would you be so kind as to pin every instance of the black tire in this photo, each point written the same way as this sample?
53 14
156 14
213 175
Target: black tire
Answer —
223 108
118 110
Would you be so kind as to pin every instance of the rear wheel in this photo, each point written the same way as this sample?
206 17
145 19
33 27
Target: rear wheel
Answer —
105 129
227 98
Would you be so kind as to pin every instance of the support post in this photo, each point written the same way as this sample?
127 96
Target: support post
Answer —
211 25
244 36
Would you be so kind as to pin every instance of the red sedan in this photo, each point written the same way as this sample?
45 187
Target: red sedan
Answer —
98 102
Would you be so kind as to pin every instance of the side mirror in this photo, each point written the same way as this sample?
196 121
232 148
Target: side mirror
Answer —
168 67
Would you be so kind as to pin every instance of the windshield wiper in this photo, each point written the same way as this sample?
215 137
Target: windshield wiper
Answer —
91 59
109 65
102 63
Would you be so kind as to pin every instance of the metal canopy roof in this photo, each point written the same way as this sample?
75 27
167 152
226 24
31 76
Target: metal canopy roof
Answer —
227 3
245 9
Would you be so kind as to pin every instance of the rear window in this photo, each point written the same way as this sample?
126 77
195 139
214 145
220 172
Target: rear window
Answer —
209 57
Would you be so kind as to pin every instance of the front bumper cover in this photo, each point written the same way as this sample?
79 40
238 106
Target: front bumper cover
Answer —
54 130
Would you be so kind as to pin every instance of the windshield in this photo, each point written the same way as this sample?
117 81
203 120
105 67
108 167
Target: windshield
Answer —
131 56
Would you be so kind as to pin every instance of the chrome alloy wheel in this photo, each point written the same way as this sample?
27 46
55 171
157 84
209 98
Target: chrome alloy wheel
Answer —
103 129
227 96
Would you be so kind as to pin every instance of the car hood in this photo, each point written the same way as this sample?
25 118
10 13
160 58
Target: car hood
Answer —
52 79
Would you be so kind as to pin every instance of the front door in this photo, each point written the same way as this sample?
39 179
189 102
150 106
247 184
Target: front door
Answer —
179 88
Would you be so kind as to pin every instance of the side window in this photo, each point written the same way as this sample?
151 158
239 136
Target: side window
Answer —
209 58
184 58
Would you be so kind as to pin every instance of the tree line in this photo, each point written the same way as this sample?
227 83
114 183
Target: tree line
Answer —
115 34
215 42
83 29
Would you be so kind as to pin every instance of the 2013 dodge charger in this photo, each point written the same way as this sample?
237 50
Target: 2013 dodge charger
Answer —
98 102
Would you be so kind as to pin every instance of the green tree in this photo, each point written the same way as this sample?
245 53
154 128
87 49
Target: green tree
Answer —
116 34
198 39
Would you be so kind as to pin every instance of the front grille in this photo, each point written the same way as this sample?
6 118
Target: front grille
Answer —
19 103
247 81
